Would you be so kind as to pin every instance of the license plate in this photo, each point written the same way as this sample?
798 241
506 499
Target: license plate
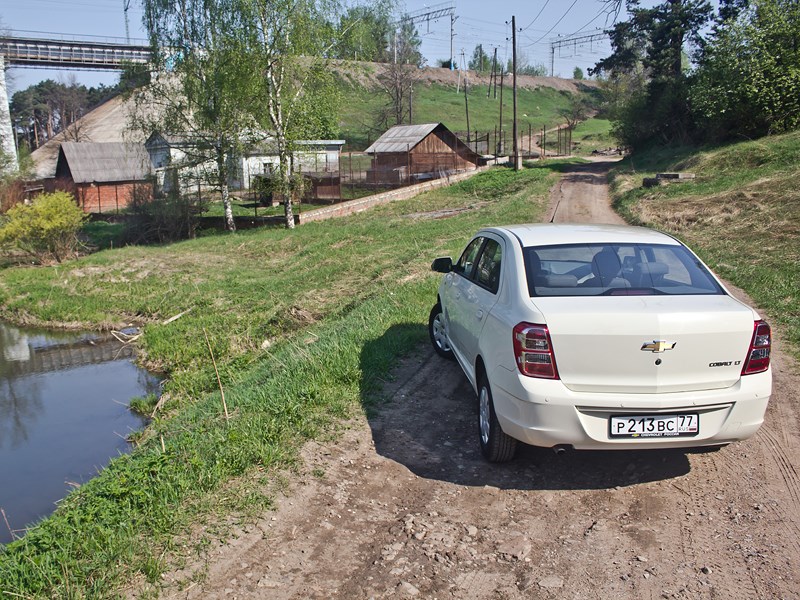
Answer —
641 426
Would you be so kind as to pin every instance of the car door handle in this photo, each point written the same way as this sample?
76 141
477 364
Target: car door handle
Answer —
479 314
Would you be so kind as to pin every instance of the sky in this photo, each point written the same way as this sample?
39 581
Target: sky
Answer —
539 23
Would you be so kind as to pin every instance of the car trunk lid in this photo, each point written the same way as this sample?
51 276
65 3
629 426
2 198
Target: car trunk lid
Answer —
648 344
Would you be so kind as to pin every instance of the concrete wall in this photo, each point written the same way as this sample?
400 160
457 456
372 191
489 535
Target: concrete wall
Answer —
351 207
7 143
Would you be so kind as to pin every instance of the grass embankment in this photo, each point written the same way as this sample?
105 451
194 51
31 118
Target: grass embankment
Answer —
741 213
439 104
592 134
303 325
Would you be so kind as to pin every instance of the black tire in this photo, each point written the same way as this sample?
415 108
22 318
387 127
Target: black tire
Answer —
438 333
496 445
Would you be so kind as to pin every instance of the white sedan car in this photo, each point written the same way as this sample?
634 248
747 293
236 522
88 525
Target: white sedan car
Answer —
599 337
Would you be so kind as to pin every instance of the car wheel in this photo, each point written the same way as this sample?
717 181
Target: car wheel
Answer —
496 445
438 333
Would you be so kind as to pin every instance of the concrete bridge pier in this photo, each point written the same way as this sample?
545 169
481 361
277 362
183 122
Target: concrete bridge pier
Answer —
8 146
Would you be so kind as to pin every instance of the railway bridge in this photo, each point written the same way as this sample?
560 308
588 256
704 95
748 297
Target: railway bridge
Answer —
60 54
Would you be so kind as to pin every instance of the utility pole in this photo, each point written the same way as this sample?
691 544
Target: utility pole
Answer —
514 67
499 145
494 72
466 107
493 76
453 18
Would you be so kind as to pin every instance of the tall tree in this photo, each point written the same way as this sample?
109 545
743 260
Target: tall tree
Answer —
748 80
296 95
200 50
407 44
480 61
649 51
365 31
399 75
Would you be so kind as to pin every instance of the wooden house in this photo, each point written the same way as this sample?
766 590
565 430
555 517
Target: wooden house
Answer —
408 154
103 176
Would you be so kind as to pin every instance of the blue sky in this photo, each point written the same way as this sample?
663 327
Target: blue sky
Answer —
478 22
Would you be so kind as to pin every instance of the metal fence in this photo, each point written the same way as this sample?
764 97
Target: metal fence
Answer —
361 174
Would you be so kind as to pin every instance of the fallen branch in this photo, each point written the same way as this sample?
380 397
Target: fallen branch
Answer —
178 316
8 526
160 404
124 338
219 381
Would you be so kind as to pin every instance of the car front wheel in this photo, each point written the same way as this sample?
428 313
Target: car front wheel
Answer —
496 445
438 333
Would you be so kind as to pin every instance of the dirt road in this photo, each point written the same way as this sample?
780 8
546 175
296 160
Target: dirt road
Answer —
404 506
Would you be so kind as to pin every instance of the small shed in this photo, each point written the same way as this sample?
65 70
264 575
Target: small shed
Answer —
413 153
103 176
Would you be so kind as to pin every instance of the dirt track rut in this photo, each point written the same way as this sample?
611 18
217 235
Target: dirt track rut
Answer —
403 505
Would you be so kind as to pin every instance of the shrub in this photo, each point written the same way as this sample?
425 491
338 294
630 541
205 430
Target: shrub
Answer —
46 229
161 219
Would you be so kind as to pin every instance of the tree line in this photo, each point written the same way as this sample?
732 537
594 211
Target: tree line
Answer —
682 72
45 109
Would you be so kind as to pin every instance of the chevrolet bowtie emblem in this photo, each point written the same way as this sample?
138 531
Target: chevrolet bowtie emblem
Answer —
658 346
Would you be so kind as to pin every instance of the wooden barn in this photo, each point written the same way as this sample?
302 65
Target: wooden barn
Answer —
103 176
408 154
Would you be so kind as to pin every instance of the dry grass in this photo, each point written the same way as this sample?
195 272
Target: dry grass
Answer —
741 214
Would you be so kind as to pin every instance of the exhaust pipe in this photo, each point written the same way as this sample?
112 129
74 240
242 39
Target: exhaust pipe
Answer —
559 450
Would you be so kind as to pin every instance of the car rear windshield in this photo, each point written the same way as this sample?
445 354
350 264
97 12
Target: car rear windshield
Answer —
616 270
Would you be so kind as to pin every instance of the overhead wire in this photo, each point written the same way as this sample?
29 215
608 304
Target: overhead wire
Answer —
536 17
554 25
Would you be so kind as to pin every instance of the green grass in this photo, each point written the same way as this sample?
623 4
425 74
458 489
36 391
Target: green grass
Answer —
592 134
102 235
438 104
741 213
303 326
246 207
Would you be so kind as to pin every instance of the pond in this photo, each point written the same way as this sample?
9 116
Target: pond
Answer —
63 415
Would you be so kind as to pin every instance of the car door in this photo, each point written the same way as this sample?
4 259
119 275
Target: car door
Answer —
479 296
458 284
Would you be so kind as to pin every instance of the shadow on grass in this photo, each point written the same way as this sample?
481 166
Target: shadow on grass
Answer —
425 417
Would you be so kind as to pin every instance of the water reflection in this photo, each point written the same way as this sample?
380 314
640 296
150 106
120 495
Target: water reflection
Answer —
63 415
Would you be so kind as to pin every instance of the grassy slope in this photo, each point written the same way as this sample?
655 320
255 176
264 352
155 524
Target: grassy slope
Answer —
320 296
741 213
436 103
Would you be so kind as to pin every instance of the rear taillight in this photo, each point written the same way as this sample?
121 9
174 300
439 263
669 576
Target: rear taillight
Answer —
533 351
758 355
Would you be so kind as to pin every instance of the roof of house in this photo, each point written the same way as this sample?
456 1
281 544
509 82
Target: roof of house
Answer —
401 138
103 162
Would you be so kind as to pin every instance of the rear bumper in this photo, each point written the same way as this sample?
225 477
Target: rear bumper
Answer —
546 413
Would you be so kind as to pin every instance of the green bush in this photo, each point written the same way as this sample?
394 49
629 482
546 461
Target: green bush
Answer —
47 229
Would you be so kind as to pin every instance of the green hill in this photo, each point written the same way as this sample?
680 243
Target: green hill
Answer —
438 96
741 213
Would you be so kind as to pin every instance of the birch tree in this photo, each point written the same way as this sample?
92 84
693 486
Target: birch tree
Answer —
296 98
201 56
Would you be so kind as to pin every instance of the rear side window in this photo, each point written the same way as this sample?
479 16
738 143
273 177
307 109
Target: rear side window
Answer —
488 272
616 270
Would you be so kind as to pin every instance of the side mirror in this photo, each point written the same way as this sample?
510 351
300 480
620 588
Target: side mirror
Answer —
442 265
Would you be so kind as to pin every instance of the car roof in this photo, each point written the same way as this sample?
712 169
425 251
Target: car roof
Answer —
553 234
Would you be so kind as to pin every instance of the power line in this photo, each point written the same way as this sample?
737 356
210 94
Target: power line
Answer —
536 17
555 25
